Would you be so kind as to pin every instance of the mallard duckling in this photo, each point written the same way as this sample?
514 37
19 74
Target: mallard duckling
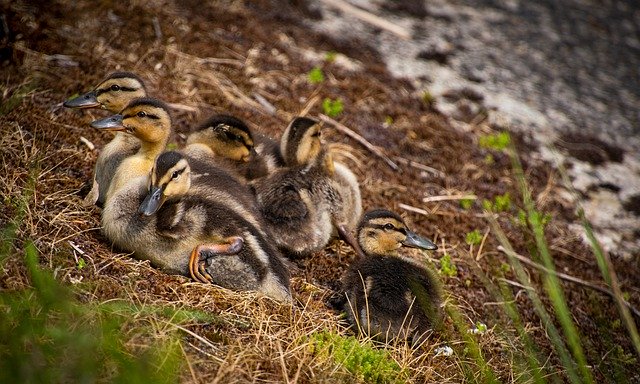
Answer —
313 198
146 120
234 146
113 94
230 248
387 295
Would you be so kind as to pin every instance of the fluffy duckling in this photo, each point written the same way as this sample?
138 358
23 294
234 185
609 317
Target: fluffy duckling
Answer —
229 246
235 147
387 295
146 120
113 94
310 200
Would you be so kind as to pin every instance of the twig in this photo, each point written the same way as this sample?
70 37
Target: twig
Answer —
414 209
432 199
156 28
86 142
369 18
74 246
419 166
424 212
265 103
516 284
198 337
484 239
375 150
186 358
571 279
183 107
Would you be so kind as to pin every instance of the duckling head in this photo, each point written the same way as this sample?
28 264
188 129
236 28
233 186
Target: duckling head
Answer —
226 136
170 179
383 232
300 142
145 118
113 93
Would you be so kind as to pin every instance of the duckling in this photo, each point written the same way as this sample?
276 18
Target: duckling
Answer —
387 295
113 94
219 239
235 146
313 198
146 120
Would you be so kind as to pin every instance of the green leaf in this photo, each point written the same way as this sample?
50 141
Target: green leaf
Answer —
315 76
474 237
332 108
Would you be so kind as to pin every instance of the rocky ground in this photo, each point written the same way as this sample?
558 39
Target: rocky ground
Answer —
564 73
426 102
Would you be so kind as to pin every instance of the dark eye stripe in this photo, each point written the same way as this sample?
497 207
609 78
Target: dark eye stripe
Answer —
124 89
154 117
381 226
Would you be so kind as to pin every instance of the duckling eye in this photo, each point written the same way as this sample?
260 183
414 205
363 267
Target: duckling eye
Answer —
115 87
232 136
175 175
388 227
141 114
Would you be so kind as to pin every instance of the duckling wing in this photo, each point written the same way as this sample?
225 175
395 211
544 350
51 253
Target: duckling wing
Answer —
175 221
284 204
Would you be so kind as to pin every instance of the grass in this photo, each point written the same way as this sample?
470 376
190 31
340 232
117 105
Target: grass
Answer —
315 75
361 359
331 107
63 326
135 321
47 335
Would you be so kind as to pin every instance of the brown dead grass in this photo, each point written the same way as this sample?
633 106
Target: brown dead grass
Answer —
217 58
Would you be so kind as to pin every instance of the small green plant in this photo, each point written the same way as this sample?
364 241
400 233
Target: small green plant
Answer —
428 98
489 159
15 98
388 120
498 141
81 263
332 108
473 238
330 56
360 359
500 203
524 221
447 267
315 76
466 203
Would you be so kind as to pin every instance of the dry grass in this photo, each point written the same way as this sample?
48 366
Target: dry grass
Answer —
205 62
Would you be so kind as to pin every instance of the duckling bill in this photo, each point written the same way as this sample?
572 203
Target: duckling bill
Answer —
388 296
113 94
221 242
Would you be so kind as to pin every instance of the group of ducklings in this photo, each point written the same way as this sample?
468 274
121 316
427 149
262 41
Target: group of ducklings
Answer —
232 204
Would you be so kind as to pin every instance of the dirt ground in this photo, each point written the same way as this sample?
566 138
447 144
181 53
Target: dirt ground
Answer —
226 57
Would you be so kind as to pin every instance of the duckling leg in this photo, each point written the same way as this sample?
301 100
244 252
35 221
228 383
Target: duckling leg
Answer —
349 239
198 260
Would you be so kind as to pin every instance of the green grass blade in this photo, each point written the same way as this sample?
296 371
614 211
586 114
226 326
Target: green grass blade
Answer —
551 281
471 345
604 264
502 294
523 278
